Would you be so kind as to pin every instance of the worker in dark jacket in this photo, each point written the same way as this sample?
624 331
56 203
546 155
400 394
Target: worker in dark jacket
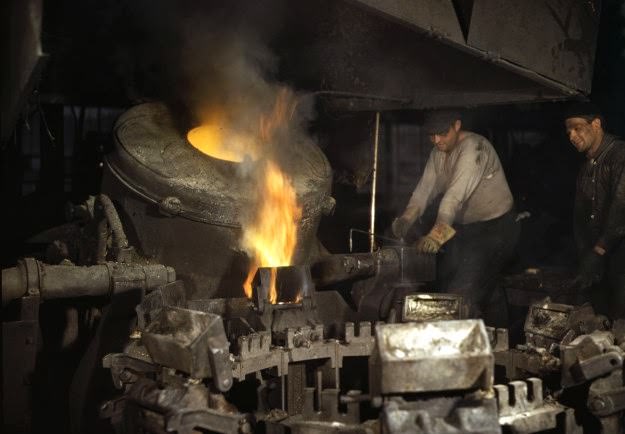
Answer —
599 217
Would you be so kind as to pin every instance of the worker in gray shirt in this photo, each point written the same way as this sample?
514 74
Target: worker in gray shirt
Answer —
475 219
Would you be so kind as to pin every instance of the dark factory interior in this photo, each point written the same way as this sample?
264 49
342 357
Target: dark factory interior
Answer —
307 217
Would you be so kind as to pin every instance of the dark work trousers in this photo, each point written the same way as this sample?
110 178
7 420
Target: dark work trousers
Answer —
470 262
608 296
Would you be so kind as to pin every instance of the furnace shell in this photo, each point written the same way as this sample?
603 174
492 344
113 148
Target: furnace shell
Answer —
183 208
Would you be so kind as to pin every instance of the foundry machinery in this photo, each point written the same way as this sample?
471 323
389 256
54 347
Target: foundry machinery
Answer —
182 349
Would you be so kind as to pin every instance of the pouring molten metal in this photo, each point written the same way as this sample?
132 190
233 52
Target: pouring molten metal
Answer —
270 236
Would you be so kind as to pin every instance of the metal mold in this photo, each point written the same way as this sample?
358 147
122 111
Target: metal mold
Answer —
433 307
548 323
192 342
438 415
431 356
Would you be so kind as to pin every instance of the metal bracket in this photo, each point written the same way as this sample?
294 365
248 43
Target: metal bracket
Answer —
32 276
186 422
600 365
522 409
608 402
124 368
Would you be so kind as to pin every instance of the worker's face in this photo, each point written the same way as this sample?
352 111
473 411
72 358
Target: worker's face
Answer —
583 134
448 141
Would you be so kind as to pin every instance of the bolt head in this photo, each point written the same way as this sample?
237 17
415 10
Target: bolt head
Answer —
597 404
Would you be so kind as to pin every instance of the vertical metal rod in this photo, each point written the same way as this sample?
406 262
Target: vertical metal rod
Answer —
374 182
351 240
319 384
283 392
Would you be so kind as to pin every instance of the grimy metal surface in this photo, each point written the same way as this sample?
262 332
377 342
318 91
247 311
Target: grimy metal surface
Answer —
184 208
428 307
467 414
190 341
399 264
431 356
550 42
23 58
549 323
32 277
544 40
367 55
522 408
588 357
435 16
556 39
20 340
427 377
549 329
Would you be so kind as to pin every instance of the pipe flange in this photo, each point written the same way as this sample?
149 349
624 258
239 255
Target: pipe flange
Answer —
33 275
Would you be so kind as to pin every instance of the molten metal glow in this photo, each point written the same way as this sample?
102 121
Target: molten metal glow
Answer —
214 138
272 236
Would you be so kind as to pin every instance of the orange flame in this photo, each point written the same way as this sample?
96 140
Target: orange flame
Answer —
282 112
272 236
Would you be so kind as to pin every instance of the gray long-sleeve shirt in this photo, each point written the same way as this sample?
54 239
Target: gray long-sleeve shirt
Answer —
472 181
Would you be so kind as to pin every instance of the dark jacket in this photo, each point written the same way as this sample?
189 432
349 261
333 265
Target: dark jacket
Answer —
600 198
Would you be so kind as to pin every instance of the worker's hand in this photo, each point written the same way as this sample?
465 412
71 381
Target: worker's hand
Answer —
590 271
428 244
400 226
438 235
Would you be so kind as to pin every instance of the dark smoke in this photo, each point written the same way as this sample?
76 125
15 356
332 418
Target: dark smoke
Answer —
198 56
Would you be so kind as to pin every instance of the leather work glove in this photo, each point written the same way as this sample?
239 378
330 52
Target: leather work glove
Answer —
400 226
438 235
590 270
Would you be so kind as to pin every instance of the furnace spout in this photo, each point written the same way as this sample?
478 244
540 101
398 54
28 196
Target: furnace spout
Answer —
342 267
398 263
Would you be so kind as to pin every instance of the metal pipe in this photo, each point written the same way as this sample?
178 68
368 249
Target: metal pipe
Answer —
67 281
341 267
103 234
376 141
354 396
104 204
13 284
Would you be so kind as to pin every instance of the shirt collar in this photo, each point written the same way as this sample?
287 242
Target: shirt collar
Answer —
605 143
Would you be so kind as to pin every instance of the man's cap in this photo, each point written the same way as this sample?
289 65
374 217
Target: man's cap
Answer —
438 122
582 109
